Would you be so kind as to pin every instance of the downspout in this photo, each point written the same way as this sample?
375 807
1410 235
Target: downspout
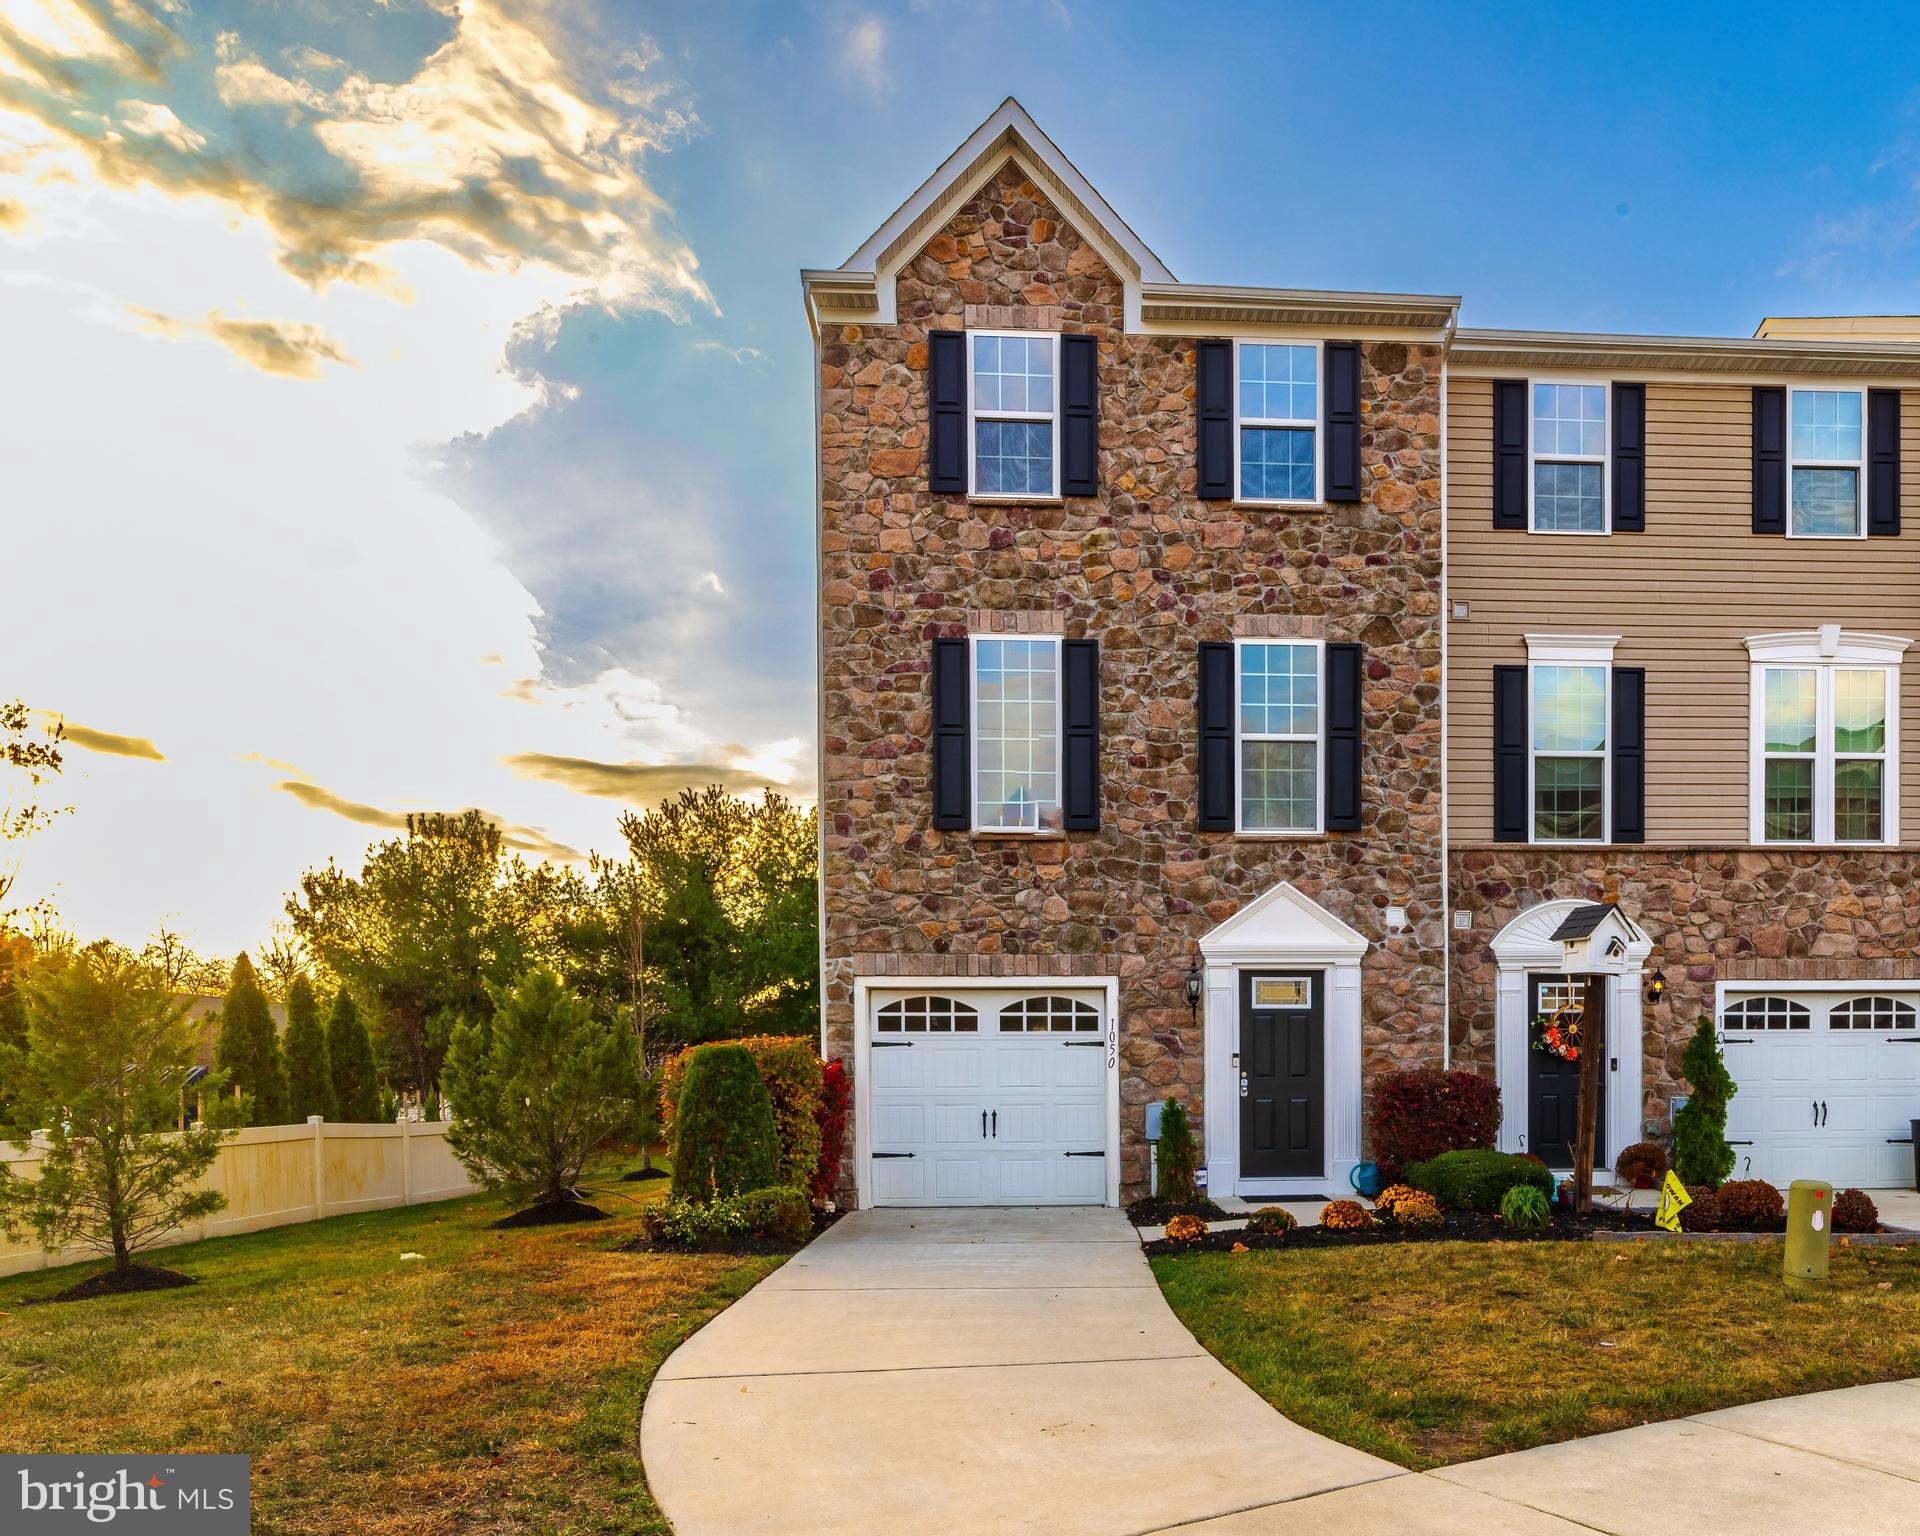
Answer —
1446 797
819 678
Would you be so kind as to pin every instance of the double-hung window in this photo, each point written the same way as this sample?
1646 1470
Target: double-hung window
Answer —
1014 406
1569 448
1825 740
1276 460
1016 733
1278 719
1567 757
1826 455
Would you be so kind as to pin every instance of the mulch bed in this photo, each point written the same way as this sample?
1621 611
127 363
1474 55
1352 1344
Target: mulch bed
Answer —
635 1174
1459 1226
142 1277
1152 1211
552 1213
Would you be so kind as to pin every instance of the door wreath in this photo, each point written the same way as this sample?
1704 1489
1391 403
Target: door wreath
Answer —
1558 1033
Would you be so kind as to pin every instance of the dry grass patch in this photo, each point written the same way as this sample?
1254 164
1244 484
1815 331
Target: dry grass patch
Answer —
1435 1353
492 1385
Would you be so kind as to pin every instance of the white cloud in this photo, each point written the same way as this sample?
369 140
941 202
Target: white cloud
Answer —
864 53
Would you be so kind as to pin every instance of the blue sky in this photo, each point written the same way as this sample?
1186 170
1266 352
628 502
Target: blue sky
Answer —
419 409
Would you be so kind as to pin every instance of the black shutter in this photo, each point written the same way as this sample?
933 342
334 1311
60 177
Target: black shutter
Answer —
1213 400
1629 754
1080 698
1079 416
1629 458
1883 462
1215 694
1509 453
1510 818
1343 738
1769 459
952 761
947 412
1343 421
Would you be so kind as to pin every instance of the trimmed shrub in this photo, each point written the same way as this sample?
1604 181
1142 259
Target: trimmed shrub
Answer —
1416 1115
1700 1151
248 1047
356 1088
723 1137
790 1067
1478 1180
1525 1209
836 1101
1750 1203
1854 1212
1642 1165
1703 1215
1272 1221
1346 1216
1185 1229
1176 1155
778 1214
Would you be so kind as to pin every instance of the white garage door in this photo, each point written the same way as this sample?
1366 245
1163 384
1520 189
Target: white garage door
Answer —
988 1097
1829 1083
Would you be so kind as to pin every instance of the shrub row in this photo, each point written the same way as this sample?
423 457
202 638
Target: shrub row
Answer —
790 1068
1478 1180
778 1214
1419 1114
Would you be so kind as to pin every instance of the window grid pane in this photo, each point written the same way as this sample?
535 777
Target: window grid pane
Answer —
1786 806
1279 783
1569 420
1013 458
1856 801
1569 709
1568 800
1012 373
1279 690
1569 498
1279 383
1826 425
1766 1013
1859 711
1792 708
1016 735
1276 463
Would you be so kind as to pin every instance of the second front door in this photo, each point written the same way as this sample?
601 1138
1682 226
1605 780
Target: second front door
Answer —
1282 1076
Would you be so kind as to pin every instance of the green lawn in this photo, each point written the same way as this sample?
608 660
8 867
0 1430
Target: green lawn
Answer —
491 1385
1432 1353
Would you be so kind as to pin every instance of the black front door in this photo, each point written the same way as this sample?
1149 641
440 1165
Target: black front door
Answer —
1282 1076
1553 1082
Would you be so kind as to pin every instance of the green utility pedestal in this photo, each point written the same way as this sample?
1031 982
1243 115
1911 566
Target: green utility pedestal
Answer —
1809 1228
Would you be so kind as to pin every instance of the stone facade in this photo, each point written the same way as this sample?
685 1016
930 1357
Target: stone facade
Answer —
1714 914
1149 571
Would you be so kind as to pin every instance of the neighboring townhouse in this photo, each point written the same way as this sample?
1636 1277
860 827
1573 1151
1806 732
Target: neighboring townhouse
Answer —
1134 627
1680 607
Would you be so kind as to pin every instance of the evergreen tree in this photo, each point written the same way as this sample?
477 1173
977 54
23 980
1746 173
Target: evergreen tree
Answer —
356 1091
1700 1151
309 1079
248 1050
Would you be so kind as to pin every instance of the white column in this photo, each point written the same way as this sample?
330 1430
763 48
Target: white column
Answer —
1221 1041
1510 1030
1342 1108
1626 1103
319 1165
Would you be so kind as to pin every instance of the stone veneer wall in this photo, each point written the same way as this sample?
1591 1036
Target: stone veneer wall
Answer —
1149 571
1714 914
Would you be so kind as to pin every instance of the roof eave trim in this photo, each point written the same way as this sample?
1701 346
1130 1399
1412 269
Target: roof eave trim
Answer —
1700 354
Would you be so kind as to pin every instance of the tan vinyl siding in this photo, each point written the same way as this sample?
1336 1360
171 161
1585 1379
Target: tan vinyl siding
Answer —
1682 596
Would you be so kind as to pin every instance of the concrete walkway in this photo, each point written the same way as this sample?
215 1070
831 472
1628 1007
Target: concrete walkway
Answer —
1018 1371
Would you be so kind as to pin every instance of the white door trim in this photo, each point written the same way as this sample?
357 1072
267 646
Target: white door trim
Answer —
865 986
1525 946
1282 931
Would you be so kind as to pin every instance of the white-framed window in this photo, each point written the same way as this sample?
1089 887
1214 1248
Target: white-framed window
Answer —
1568 472
1569 718
1013 415
1279 736
1016 733
927 1016
1825 737
1826 463
1276 423
1766 1013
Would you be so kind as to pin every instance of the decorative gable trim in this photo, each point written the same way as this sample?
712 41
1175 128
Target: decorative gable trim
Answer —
1283 925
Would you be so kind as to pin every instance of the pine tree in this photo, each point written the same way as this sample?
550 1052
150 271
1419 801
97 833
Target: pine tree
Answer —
304 1048
356 1092
249 1048
1700 1151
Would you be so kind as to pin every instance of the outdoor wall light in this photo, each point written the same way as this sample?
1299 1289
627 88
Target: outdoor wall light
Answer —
1657 986
1193 986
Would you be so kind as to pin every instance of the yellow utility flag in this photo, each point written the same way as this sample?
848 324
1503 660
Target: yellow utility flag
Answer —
1673 1200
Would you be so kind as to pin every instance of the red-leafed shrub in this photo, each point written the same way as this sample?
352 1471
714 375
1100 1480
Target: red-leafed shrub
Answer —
836 1097
1750 1203
1853 1211
1420 1114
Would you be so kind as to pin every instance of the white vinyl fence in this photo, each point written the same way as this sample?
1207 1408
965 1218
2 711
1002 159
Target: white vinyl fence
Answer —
274 1175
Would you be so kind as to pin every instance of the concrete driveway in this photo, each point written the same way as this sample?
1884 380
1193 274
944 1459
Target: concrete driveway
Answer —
1018 1371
